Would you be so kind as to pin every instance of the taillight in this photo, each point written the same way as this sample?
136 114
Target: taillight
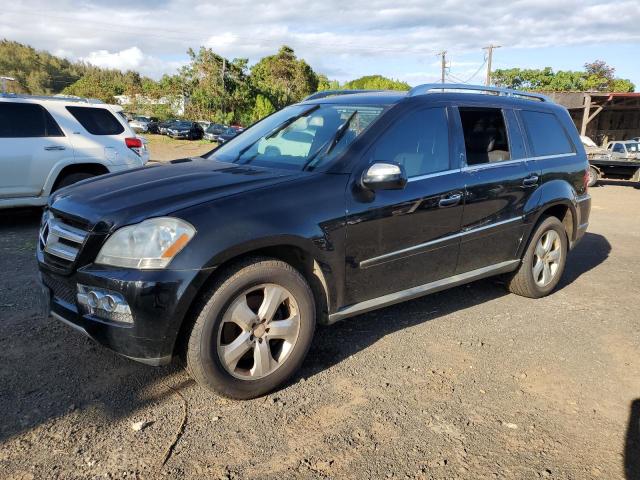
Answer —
585 179
133 142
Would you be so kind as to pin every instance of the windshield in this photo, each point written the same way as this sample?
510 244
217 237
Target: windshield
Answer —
300 137
182 124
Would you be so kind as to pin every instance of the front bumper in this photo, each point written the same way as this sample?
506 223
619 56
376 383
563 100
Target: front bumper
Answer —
158 299
179 134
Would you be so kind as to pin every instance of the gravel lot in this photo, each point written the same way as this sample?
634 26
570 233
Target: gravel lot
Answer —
468 383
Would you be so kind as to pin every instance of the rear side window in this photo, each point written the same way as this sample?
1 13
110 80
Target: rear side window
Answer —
546 134
97 121
485 135
419 142
24 120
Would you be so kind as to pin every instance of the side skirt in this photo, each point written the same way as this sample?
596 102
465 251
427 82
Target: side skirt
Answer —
419 291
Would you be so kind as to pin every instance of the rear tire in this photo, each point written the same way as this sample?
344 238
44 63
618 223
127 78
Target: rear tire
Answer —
543 262
253 329
72 178
594 177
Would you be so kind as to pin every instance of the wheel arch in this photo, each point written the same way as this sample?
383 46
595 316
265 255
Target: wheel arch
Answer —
311 267
558 199
58 173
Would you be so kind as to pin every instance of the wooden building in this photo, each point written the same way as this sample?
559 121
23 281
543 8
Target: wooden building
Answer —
602 116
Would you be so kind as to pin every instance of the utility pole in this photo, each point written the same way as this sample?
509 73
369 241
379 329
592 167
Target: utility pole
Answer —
489 58
443 56
4 83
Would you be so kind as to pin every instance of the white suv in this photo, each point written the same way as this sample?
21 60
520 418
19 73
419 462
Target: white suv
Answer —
48 143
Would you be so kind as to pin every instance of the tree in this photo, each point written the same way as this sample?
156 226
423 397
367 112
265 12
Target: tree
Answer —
325 84
283 78
376 82
262 108
597 76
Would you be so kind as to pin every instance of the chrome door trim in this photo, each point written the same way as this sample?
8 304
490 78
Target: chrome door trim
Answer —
483 166
421 290
388 256
431 175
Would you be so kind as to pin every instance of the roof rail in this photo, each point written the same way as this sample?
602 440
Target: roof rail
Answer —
331 93
449 87
61 98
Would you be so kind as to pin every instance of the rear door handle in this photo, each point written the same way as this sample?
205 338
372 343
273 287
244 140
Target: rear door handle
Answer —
55 147
450 200
531 181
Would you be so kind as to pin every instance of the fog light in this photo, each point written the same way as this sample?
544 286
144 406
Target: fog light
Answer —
104 304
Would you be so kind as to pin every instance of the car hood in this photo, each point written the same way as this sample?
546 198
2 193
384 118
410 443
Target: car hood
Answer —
124 198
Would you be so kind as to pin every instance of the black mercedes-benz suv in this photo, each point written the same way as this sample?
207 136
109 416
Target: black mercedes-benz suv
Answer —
329 208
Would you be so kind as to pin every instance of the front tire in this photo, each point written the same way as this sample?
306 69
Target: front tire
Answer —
253 329
543 262
72 178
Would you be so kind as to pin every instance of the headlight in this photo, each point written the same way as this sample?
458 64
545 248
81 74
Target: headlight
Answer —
148 245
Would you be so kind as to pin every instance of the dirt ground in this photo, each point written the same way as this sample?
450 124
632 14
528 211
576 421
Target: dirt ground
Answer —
468 383
162 148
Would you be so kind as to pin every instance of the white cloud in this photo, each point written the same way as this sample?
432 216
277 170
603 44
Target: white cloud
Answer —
347 37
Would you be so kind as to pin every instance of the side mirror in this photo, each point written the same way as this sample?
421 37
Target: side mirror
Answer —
384 176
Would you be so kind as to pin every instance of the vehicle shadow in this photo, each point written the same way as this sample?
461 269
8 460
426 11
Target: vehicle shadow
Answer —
338 342
620 183
47 370
632 443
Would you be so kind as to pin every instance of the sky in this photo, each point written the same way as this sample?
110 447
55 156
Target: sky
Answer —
344 39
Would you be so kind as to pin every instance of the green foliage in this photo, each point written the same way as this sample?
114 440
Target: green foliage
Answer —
325 84
597 76
218 89
283 79
376 82
262 108
36 72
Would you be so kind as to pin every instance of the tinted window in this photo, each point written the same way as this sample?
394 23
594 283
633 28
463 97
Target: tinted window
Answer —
618 148
97 121
516 137
546 134
485 135
21 120
419 142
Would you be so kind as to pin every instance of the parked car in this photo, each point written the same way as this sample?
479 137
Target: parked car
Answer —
324 210
227 135
188 130
622 162
213 131
47 143
140 123
164 126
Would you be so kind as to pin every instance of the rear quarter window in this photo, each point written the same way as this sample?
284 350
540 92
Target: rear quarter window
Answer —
97 121
546 134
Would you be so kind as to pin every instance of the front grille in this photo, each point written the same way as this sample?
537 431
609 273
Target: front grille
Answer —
60 241
60 288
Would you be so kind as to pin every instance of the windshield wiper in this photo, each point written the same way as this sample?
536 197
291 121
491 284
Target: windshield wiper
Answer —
332 142
289 121
276 130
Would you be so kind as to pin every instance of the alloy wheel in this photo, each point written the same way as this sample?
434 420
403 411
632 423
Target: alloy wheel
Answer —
258 331
547 257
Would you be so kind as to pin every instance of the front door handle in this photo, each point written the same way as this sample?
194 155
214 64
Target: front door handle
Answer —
54 147
450 200
531 181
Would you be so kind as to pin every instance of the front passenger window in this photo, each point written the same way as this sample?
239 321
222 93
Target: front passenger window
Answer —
419 142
